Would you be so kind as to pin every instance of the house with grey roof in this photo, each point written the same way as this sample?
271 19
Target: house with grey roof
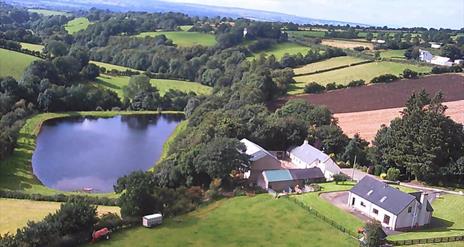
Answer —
395 209
288 179
260 160
307 156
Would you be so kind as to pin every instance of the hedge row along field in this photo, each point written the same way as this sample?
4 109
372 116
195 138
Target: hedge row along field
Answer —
184 38
327 64
14 63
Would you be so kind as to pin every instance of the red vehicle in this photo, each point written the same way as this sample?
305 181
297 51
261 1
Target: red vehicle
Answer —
102 233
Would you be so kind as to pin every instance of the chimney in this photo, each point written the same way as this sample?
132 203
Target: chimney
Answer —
305 142
424 197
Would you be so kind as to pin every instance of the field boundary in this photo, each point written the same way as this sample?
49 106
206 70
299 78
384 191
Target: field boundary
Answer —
427 240
334 68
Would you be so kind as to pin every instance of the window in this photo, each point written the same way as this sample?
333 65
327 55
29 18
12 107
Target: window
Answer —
375 211
409 209
386 219
362 204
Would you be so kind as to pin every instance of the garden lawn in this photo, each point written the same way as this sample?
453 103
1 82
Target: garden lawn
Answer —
239 221
47 12
76 25
364 71
116 83
32 47
327 64
279 50
16 171
14 63
184 38
447 220
16 213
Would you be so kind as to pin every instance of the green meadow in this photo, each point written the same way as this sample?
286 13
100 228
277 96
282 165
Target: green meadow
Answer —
116 83
76 25
184 38
327 64
32 47
14 63
279 50
240 221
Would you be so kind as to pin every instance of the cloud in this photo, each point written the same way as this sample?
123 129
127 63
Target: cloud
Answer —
408 13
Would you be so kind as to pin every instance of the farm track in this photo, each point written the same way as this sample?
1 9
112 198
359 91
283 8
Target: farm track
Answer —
384 95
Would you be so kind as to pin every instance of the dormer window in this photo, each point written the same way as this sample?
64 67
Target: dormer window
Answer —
383 199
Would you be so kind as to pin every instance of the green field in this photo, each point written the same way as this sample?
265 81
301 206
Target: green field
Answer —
116 83
398 54
16 170
32 47
327 64
447 220
22 211
14 63
307 34
185 27
279 50
47 12
364 71
239 221
109 66
183 38
76 25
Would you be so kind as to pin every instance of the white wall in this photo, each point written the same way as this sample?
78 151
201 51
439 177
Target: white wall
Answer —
368 210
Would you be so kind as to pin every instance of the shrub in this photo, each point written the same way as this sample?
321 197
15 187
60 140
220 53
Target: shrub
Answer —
356 83
371 170
358 48
341 86
313 87
410 74
384 78
109 220
442 69
378 169
393 174
340 178
316 187
331 86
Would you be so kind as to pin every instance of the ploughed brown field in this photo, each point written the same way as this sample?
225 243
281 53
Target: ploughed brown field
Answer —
364 109
383 95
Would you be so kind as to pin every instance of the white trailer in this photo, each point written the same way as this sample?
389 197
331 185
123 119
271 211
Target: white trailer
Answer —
152 220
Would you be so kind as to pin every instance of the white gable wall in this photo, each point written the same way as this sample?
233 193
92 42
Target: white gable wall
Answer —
368 210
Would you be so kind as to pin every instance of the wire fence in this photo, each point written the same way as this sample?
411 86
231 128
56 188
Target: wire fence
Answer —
427 240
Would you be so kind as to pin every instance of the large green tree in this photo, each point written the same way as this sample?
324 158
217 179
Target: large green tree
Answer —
423 141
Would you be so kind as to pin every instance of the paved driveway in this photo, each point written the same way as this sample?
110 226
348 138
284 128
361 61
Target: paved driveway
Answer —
355 174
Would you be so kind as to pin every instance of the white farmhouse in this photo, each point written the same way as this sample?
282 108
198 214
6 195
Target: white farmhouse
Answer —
307 156
396 210
442 61
425 56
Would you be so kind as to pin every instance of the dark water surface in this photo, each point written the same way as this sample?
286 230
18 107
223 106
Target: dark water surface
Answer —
76 153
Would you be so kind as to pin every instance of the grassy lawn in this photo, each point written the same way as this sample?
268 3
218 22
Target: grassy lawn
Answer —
14 63
364 71
327 64
22 211
447 220
399 54
32 47
116 83
16 171
76 25
47 12
239 221
183 38
279 50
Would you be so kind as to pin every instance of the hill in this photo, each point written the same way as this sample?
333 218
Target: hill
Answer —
14 63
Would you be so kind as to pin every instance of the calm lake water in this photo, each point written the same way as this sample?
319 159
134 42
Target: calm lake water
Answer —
76 153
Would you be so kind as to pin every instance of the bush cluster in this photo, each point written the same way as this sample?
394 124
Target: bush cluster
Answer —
384 78
441 70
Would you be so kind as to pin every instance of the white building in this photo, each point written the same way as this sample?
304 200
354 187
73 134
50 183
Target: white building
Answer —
425 56
307 156
435 45
245 32
459 61
378 41
442 61
396 210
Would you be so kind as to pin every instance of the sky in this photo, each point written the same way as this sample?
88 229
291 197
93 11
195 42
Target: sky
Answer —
395 13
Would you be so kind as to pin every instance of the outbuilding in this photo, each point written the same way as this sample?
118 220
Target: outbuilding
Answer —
288 179
152 220
260 159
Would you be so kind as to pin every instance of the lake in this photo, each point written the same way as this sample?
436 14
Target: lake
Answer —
76 153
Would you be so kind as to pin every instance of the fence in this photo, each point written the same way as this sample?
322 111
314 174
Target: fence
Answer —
324 218
427 240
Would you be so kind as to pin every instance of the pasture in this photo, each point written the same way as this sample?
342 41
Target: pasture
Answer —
14 63
240 221
359 72
76 25
346 44
116 83
327 64
32 47
397 54
47 12
183 38
307 34
279 50
109 66
22 211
